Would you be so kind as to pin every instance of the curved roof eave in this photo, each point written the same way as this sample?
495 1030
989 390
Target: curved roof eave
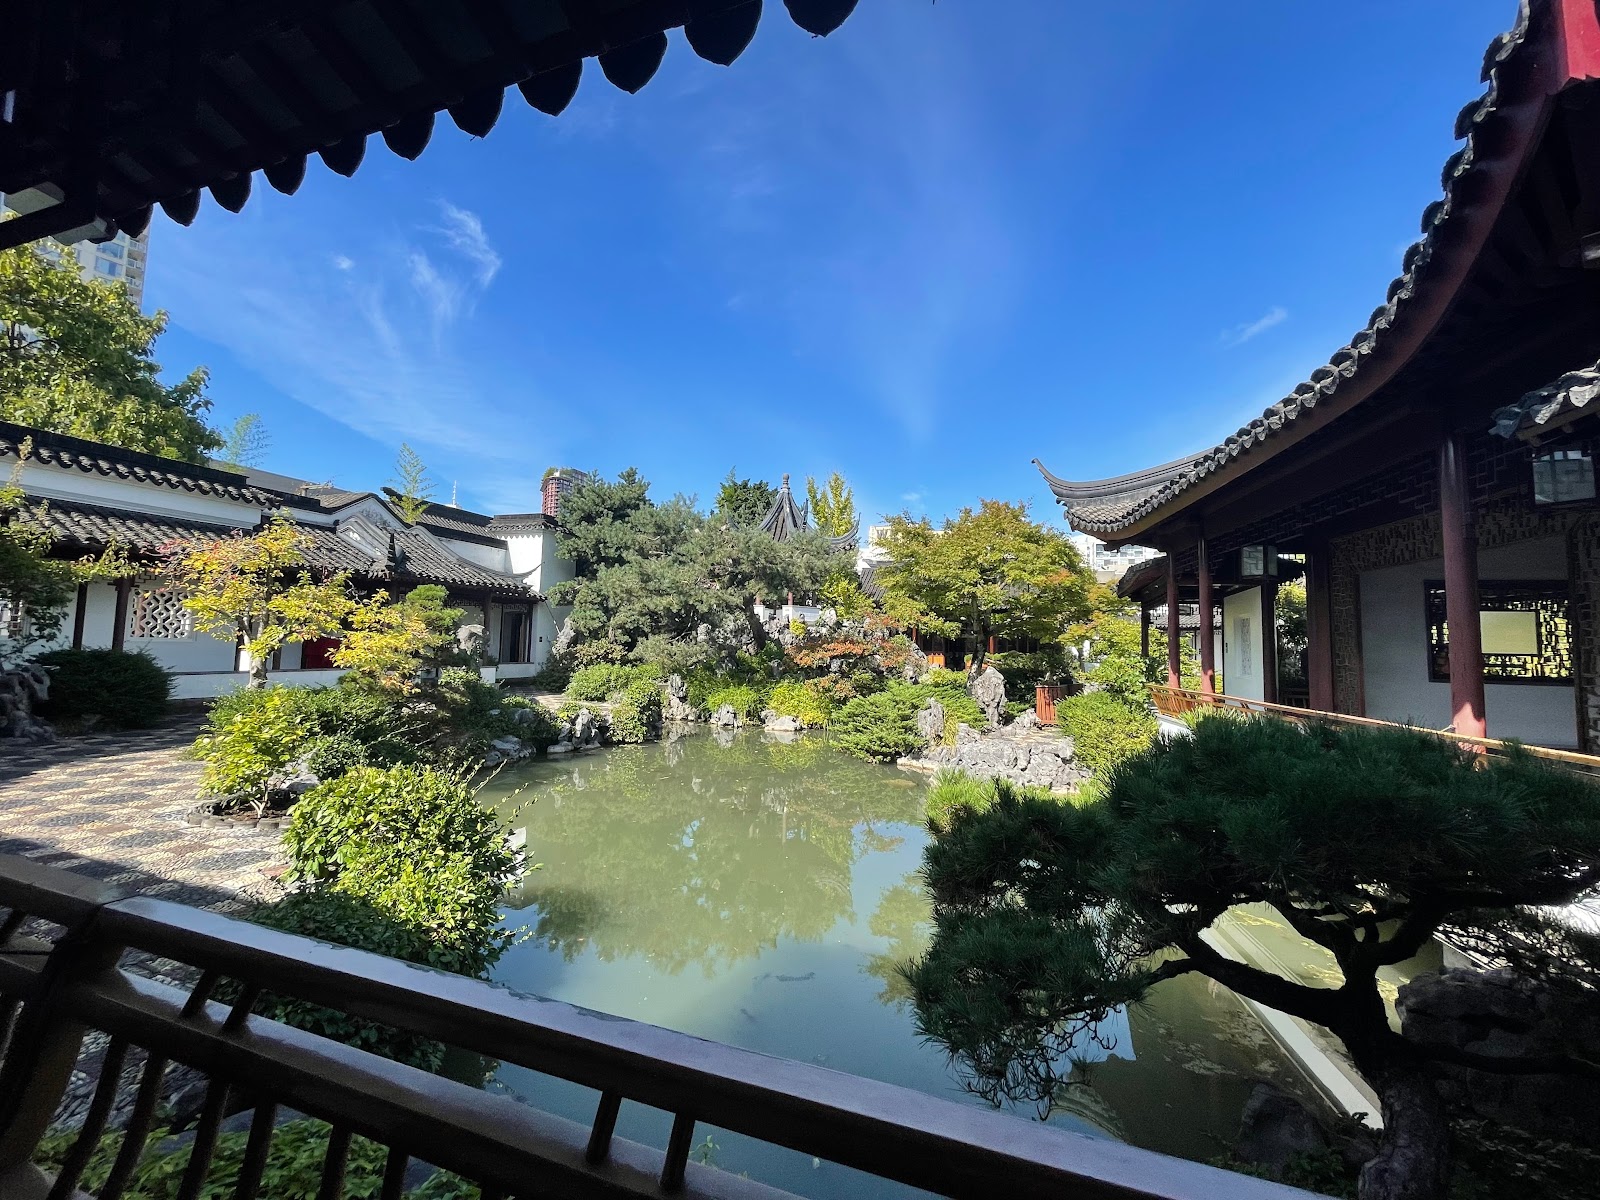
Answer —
1523 74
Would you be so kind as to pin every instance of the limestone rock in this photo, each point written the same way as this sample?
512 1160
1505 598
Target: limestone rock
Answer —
965 733
512 747
1026 723
1502 1015
930 723
560 748
676 706
294 781
725 717
781 724
1275 1127
915 666
585 729
566 638
988 688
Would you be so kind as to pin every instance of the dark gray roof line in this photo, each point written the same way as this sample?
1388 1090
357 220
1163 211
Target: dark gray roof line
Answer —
1105 499
96 458
408 555
1540 408
94 526
785 518
1347 362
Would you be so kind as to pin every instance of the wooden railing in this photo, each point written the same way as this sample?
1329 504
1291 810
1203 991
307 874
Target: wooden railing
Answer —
1179 702
51 997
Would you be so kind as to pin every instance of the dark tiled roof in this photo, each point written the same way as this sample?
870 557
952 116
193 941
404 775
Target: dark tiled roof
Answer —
1104 502
785 518
510 522
1541 408
1472 124
96 458
414 557
870 583
92 526
270 85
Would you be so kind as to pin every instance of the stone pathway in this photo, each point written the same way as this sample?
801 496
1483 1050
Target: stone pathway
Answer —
112 806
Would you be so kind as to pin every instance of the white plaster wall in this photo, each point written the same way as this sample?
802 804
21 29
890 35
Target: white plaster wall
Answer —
1394 649
493 557
100 615
208 686
54 483
1241 662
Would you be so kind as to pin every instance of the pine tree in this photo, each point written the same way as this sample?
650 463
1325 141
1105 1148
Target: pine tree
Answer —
412 488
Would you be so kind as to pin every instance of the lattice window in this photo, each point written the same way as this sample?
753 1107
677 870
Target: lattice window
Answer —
1526 629
158 614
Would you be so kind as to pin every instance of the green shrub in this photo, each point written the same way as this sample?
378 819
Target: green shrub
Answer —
601 681
293 1169
793 698
1104 731
745 700
465 714
254 732
636 716
401 861
949 688
120 689
1026 670
877 727
954 790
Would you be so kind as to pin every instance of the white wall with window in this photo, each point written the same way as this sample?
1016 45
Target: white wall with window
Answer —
1242 645
1528 691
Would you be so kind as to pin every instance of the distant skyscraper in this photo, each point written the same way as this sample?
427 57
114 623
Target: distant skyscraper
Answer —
558 481
121 260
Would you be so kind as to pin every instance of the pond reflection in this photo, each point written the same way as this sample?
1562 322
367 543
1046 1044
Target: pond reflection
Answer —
765 893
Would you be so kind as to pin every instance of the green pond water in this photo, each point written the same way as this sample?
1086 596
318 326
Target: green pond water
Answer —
762 893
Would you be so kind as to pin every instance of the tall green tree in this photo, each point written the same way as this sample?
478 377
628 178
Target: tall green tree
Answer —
79 358
412 487
991 572
832 507
1048 916
744 501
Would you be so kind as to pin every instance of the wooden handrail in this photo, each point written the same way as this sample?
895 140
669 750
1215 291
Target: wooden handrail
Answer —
1175 702
884 1130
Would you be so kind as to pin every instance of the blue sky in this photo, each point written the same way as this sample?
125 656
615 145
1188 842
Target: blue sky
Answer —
946 239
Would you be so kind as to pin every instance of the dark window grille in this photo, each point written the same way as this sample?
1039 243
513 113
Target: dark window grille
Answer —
1527 631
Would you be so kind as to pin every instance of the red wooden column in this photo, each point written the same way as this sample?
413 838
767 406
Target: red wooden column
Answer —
1319 628
1207 636
1174 675
1269 640
1461 590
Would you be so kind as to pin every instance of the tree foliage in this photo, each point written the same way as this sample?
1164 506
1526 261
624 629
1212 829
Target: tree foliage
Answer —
245 444
412 487
79 358
649 570
389 641
744 501
257 588
1367 841
989 572
832 507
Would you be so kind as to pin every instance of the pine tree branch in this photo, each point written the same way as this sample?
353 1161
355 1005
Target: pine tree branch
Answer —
1321 1005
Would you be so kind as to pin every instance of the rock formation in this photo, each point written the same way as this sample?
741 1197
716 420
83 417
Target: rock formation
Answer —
988 688
675 704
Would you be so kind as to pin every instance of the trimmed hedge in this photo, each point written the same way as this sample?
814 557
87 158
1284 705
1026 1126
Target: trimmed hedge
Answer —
118 688
636 716
879 727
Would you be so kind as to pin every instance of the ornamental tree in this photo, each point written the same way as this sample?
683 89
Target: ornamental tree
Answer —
389 641
992 572
1049 916
258 588
78 358
744 501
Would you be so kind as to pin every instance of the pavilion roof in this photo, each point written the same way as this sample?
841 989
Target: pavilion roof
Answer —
1551 46
1552 407
785 518
113 109
113 462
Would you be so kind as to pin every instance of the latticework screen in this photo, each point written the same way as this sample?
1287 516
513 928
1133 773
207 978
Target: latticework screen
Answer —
1527 633
158 613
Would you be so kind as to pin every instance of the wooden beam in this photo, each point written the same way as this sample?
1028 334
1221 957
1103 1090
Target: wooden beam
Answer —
119 620
1319 627
1269 640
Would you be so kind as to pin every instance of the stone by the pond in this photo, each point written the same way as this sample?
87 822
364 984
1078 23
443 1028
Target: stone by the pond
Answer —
511 747
1275 1127
774 723
930 723
725 717
988 688
585 729
675 705
560 748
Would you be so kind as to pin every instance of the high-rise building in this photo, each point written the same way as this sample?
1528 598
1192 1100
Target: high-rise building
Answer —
558 481
1107 563
121 260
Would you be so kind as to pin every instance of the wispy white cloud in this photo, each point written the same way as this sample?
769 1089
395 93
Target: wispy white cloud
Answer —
464 232
343 263
1240 334
911 497
443 296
